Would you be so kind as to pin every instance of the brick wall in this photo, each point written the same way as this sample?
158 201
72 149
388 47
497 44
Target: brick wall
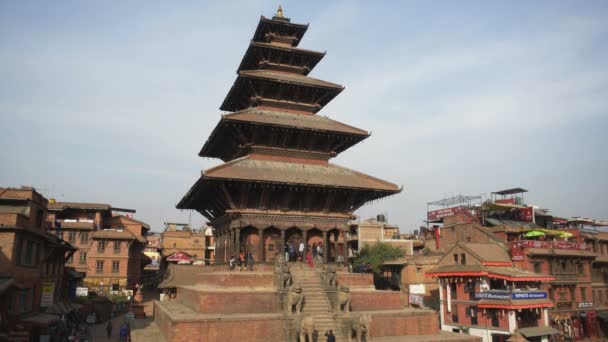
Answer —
224 328
375 300
238 279
227 302
356 280
423 323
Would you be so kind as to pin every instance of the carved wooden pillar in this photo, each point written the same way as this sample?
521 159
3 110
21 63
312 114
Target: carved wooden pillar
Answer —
344 248
237 240
261 245
324 246
282 249
231 244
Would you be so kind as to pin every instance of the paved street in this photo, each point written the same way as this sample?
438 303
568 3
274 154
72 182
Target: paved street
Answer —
98 331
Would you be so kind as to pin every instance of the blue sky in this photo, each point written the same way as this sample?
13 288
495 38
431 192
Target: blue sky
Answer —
111 101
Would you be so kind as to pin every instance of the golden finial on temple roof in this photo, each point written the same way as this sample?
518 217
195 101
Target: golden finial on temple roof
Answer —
280 12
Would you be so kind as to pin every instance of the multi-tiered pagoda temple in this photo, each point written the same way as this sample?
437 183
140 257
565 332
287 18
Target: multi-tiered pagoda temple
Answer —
277 186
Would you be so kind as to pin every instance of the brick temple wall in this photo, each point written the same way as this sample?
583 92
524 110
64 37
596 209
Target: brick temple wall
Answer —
220 328
424 323
375 300
228 302
238 279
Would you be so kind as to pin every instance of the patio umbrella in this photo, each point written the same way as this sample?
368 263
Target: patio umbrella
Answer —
534 233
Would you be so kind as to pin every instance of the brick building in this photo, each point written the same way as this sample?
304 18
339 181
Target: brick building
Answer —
483 294
573 251
152 251
110 247
199 244
374 230
31 262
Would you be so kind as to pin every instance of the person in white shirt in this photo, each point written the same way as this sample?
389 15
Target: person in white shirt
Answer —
301 250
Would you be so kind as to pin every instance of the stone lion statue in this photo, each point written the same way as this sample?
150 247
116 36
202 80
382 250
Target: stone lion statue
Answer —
318 261
305 328
343 299
279 259
362 327
285 276
331 277
294 300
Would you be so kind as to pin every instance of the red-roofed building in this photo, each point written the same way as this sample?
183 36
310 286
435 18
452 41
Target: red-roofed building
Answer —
481 292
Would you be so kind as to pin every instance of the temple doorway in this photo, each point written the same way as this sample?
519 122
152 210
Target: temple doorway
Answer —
272 244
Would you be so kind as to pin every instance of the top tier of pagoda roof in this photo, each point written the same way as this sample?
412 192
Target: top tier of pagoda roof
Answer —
273 71
279 29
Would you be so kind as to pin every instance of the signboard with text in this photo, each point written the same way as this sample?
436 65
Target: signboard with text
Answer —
516 295
48 292
447 212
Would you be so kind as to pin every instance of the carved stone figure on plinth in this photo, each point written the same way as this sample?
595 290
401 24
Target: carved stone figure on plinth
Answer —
285 277
306 327
294 300
362 327
343 302
331 277
279 260
318 261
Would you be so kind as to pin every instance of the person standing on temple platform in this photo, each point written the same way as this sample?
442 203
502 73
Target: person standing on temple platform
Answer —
314 250
249 260
301 250
309 258
242 260
292 252
320 249
286 249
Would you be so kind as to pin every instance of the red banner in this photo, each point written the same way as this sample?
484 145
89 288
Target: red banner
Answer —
447 212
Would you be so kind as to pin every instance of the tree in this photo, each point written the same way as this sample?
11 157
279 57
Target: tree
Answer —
373 256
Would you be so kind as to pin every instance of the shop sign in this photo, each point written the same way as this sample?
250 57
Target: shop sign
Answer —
529 295
82 292
517 254
492 295
585 305
417 289
48 292
502 295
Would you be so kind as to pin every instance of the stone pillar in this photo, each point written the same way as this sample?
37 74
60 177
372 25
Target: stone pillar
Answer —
261 245
324 246
237 240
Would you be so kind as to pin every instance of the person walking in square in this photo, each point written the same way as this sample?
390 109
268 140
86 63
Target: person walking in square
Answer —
330 336
109 329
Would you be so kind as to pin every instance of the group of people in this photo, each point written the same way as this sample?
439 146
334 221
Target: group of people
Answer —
291 255
245 259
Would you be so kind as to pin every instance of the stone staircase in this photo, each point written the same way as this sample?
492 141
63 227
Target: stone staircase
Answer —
316 303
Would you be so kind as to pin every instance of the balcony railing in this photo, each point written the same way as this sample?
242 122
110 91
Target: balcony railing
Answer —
552 245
